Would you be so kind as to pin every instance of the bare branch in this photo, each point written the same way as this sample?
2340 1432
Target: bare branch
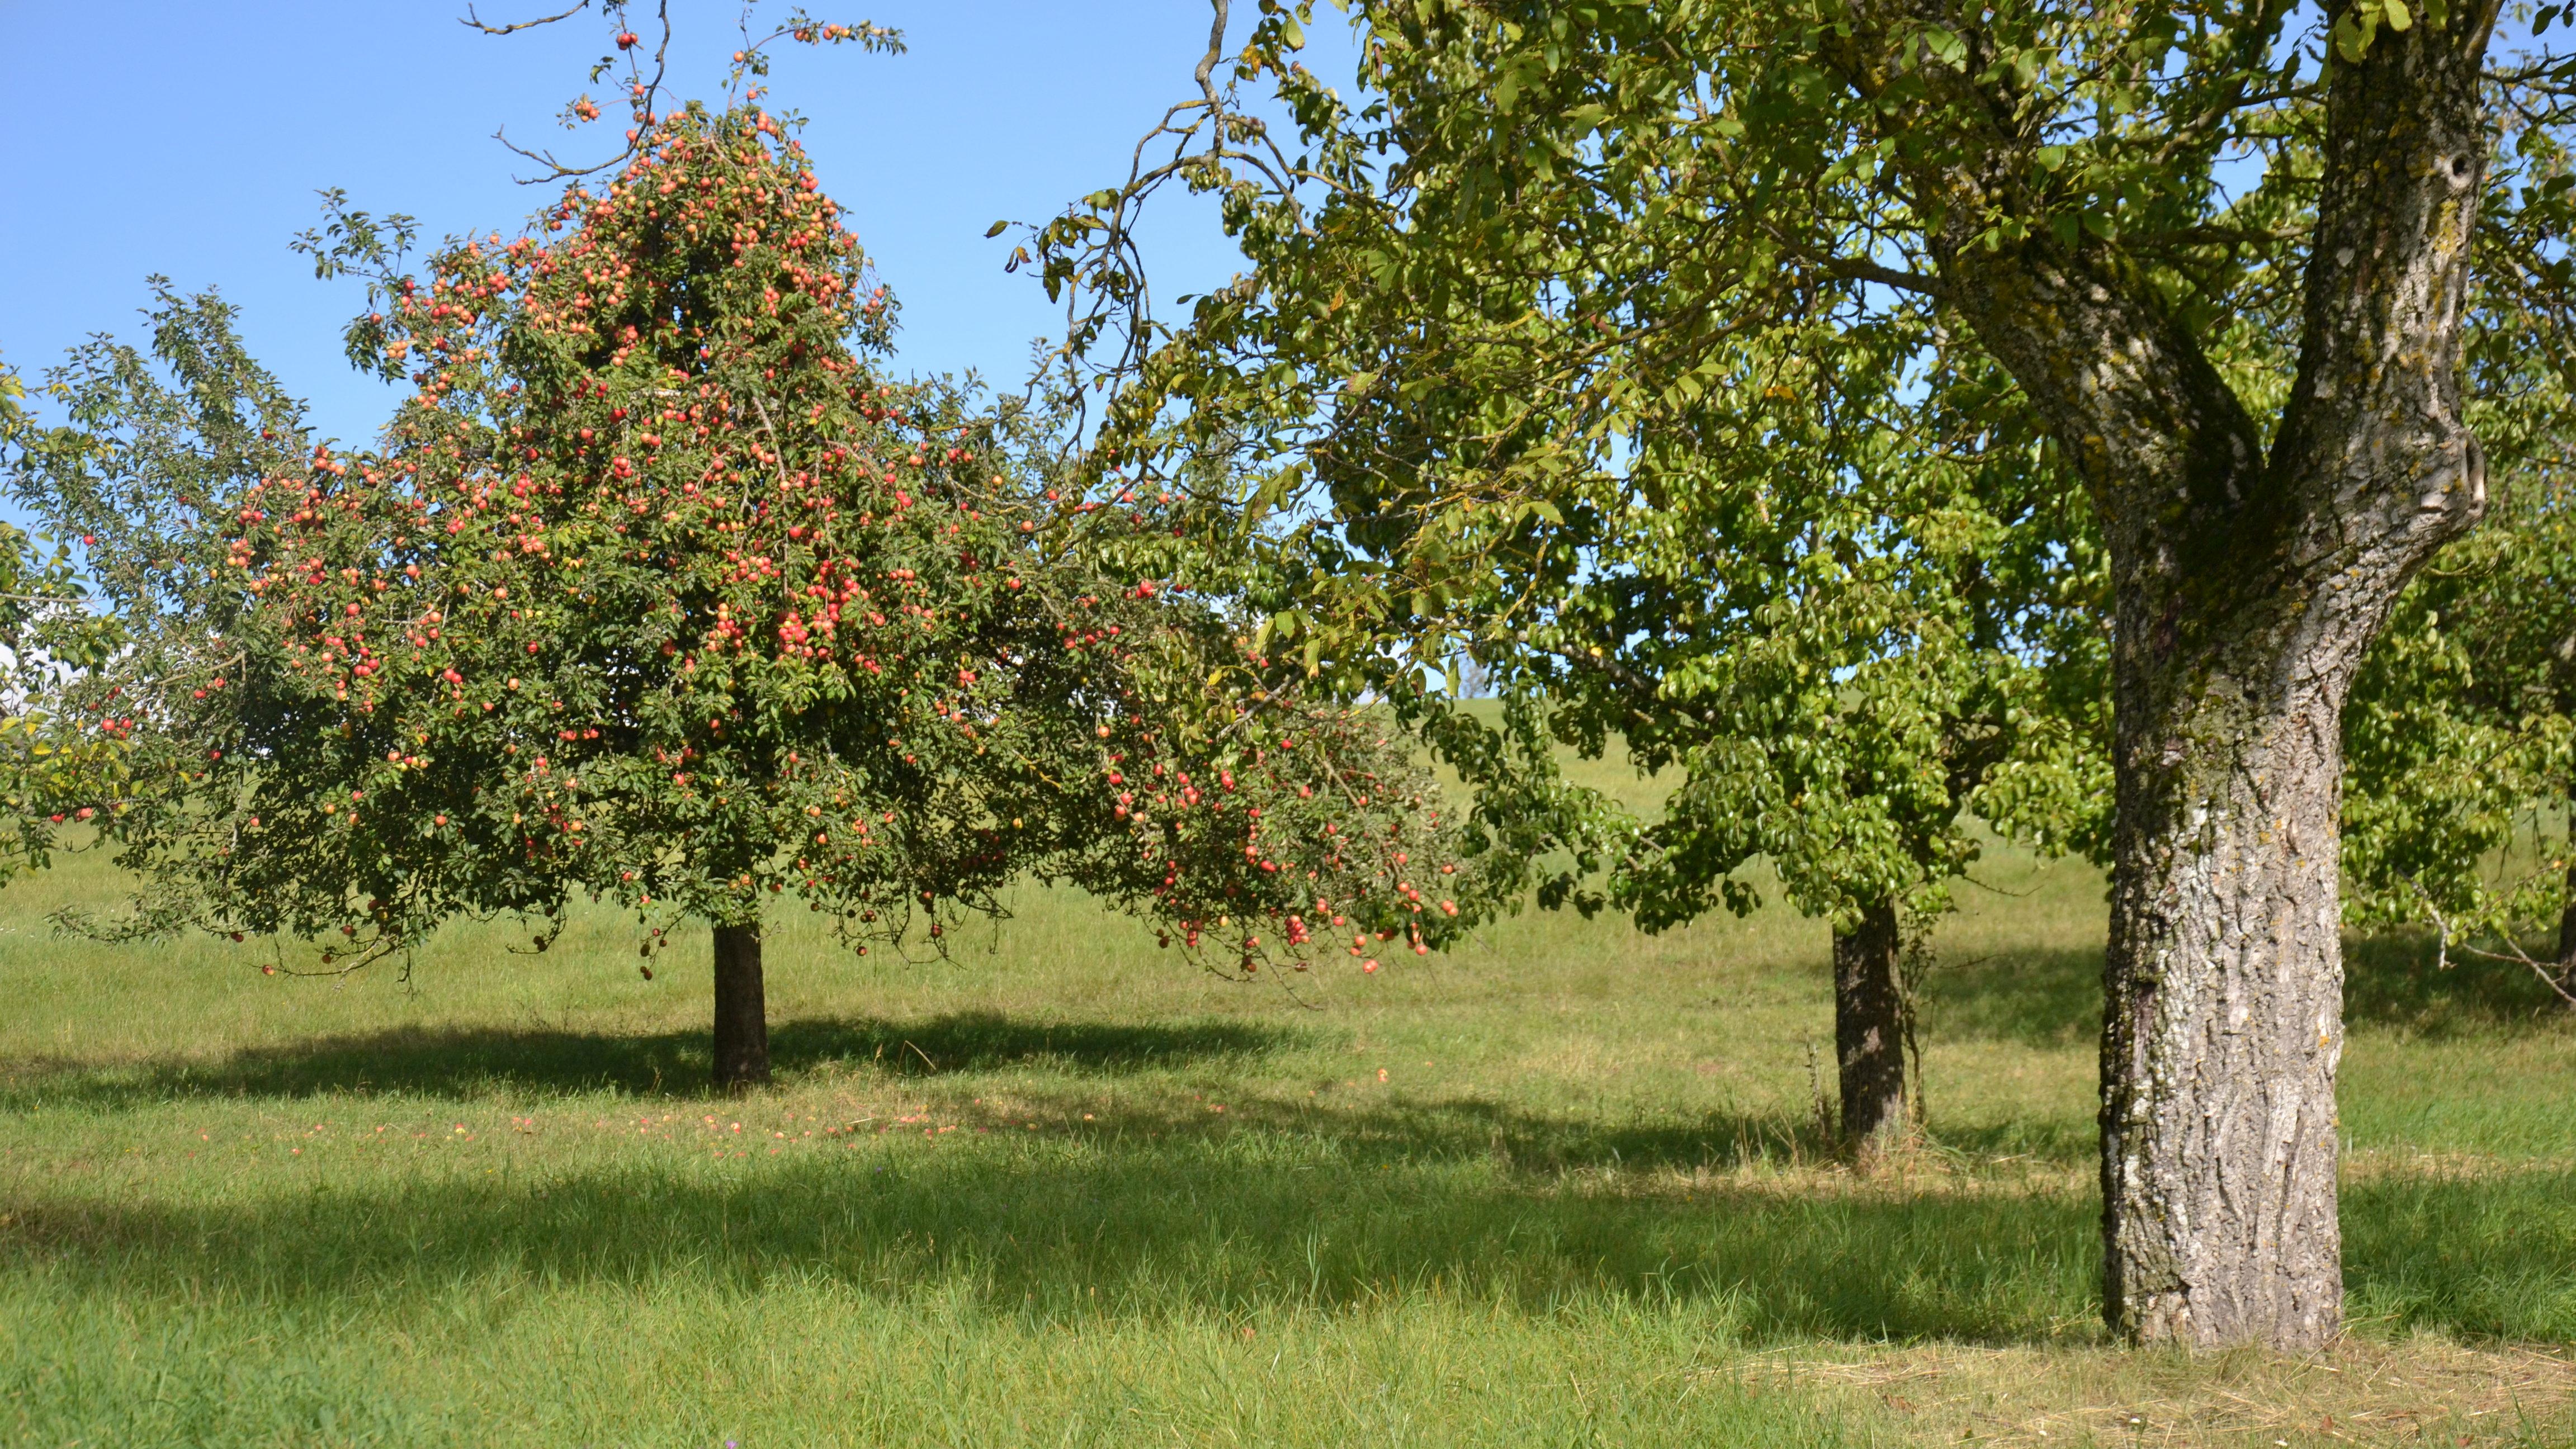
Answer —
473 21
1215 53
2547 977
1854 269
2512 953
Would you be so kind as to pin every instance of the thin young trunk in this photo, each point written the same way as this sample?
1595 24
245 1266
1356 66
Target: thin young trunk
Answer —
1869 1034
742 1018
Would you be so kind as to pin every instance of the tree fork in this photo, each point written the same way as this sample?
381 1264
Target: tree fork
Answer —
2248 582
2239 631
742 1016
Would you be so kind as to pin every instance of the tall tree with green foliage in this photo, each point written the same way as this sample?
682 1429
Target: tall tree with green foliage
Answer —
2112 207
657 592
1839 700
1898 646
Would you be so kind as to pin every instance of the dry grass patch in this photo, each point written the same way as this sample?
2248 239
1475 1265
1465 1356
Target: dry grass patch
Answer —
2419 1390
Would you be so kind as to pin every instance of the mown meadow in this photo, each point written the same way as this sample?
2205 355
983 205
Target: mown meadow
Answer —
1567 1186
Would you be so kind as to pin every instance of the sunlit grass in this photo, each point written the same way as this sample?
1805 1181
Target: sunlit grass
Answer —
1561 1187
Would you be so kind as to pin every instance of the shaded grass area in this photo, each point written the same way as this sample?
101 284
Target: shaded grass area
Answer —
1149 1217
476 1062
1048 1232
1562 1187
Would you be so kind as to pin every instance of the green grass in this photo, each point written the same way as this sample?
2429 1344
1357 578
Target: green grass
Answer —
1563 1187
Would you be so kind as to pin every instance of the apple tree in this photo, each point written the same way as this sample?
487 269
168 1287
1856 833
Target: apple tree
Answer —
656 590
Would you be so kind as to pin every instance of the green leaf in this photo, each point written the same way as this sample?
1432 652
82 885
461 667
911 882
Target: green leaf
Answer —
2399 19
997 228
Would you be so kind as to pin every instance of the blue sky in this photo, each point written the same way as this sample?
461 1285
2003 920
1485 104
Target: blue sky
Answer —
189 139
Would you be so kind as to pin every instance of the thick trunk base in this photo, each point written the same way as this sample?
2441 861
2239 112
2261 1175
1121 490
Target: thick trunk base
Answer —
742 1012
2224 1027
1869 1035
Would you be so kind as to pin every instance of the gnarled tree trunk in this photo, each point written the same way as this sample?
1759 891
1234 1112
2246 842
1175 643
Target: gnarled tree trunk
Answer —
2224 986
2246 601
2247 584
1869 1034
742 1012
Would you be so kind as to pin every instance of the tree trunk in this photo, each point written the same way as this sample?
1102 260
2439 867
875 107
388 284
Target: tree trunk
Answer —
742 1016
2567 912
1869 1035
2224 1020
2248 579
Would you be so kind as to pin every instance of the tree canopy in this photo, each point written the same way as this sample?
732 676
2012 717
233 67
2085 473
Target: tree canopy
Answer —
55 765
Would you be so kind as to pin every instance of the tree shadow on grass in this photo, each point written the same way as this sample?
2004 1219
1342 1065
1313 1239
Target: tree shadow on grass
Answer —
481 1061
2401 980
1122 1219
1123 1224
2037 998
1523 1144
1102 1188
2391 982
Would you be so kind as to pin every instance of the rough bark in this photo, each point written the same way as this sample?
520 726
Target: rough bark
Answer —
1869 1035
742 1014
2246 588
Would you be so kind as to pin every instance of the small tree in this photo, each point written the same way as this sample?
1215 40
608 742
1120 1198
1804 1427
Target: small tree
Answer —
1898 650
657 592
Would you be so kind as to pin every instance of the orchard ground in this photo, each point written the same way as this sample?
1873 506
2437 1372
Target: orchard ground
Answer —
1563 1187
